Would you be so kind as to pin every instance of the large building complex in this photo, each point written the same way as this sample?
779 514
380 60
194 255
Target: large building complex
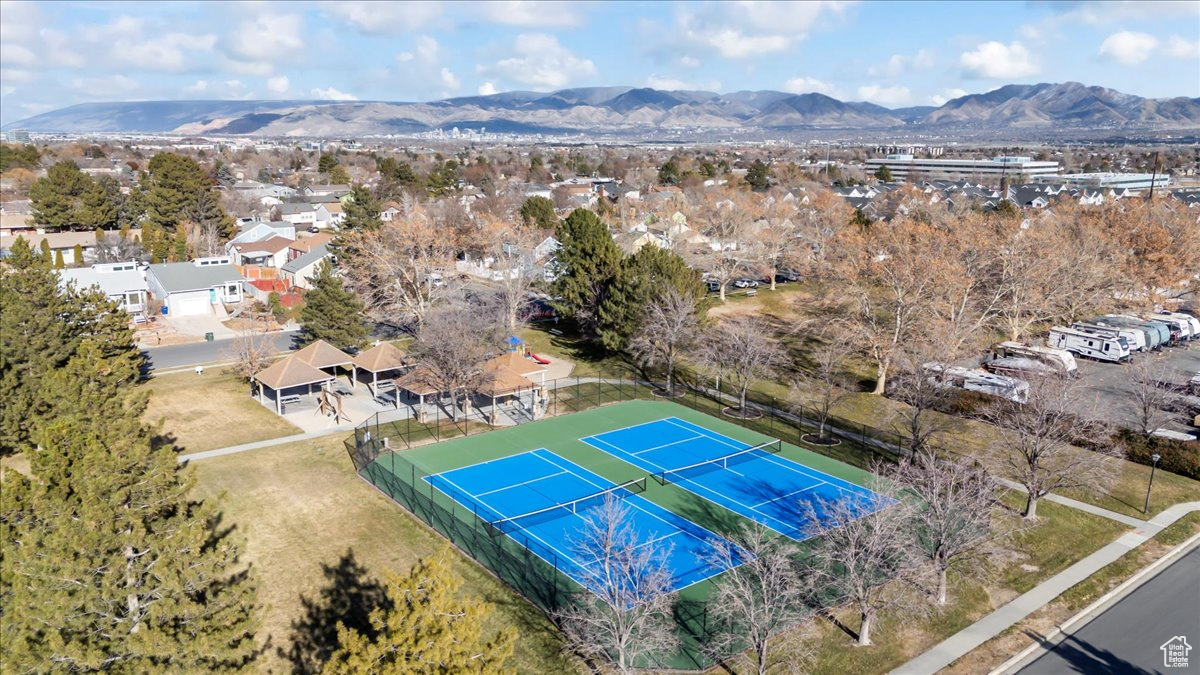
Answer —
1132 181
906 167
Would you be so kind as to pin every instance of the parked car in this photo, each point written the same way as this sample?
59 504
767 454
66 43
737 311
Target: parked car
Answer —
712 285
745 283
784 276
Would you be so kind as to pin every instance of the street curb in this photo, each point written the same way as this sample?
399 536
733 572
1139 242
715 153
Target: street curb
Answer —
1087 612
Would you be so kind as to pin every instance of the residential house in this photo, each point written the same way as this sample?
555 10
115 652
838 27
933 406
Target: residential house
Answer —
124 283
16 217
58 241
632 242
336 214
301 215
271 252
389 212
196 287
297 271
320 190
259 230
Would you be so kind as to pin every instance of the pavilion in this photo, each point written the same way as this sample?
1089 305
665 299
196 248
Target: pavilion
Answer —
285 374
382 358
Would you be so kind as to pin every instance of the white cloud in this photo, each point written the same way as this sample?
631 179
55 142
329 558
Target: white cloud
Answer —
946 95
449 81
487 89
900 64
885 95
332 94
16 75
1067 16
1127 47
267 39
538 60
225 89
1179 48
998 61
5 91
805 85
278 85
532 14
384 18
108 88
689 62
739 30
170 52
16 55
676 84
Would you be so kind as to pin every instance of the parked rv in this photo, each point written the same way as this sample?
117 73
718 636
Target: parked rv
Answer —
1139 339
970 379
1019 366
1059 359
1181 329
1192 321
1094 345
1164 333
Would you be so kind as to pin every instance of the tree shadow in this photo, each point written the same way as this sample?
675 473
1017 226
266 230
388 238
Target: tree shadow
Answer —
349 595
1083 657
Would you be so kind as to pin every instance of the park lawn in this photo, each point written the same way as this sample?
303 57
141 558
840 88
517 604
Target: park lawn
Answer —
302 510
589 359
1016 638
213 410
1061 537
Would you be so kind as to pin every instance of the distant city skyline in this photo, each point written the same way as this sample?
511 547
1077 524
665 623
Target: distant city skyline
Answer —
893 54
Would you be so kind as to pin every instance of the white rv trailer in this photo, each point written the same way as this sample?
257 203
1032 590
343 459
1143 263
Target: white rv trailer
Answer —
1094 345
1020 366
1164 332
970 379
1193 322
1136 337
1183 325
1060 359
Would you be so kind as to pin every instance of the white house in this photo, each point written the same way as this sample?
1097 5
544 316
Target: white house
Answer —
271 252
322 190
389 212
123 283
192 288
302 216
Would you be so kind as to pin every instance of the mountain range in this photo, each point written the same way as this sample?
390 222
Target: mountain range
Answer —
630 110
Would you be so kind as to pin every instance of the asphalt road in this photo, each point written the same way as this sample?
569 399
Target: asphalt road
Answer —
198 353
1126 637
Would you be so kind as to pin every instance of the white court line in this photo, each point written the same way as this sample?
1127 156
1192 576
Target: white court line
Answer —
795 492
665 445
532 480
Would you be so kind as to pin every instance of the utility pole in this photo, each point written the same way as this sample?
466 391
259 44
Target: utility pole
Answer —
1154 176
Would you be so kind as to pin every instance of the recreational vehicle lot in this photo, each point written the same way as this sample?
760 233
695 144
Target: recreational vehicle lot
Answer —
1113 386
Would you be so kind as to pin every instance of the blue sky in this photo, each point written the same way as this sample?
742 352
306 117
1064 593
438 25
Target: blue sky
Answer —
54 54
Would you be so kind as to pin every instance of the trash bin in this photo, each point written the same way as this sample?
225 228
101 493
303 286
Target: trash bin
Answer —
208 337
164 310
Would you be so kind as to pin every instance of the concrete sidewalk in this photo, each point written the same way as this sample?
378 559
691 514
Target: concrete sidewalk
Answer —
258 445
962 642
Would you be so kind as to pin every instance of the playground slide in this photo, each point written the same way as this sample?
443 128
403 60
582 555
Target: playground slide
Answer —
539 359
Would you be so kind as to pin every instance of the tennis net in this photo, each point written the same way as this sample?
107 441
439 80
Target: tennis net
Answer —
700 468
528 519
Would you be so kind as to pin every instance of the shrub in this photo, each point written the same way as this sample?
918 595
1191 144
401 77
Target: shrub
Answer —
1181 457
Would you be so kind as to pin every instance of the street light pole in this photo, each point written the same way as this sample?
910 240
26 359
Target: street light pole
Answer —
1153 465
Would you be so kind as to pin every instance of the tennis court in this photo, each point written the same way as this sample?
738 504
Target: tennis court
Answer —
541 500
750 480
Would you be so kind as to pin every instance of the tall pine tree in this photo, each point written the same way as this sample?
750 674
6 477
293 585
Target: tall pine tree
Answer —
68 199
643 276
332 313
586 265
362 210
177 189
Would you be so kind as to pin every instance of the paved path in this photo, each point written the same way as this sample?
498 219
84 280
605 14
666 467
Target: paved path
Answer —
257 445
962 642
1162 607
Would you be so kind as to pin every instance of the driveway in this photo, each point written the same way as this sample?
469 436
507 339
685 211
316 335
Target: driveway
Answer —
199 325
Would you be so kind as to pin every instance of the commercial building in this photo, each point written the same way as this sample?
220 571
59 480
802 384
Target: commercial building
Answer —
1116 181
907 167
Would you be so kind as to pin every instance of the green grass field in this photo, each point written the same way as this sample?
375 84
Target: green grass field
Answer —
399 474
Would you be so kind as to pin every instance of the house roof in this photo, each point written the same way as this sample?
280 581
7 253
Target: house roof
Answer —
58 240
305 260
273 245
184 276
109 282
419 381
306 244
290 372
381 357
329 188
321 354
509 374
333 207
291 208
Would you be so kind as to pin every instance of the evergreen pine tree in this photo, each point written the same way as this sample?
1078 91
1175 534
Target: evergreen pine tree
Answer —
332 313
539 212
586 264
643 276
207 211
173 188
362 210
430 629
35 340
47 254
59 263
78 252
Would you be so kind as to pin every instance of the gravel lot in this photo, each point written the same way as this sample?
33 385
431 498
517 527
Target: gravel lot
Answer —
1111 383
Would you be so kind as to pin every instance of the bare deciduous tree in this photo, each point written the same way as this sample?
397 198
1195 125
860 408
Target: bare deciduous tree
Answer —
453 346
251 351
1149 404
923 391
760 594
668 331
952 517
114 247
626 618
824 383
864 555
726 224
1034 442
742 350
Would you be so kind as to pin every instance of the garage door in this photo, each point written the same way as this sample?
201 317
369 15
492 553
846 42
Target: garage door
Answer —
191 306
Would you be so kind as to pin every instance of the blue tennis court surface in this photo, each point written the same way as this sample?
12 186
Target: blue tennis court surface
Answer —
519 484
758 485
